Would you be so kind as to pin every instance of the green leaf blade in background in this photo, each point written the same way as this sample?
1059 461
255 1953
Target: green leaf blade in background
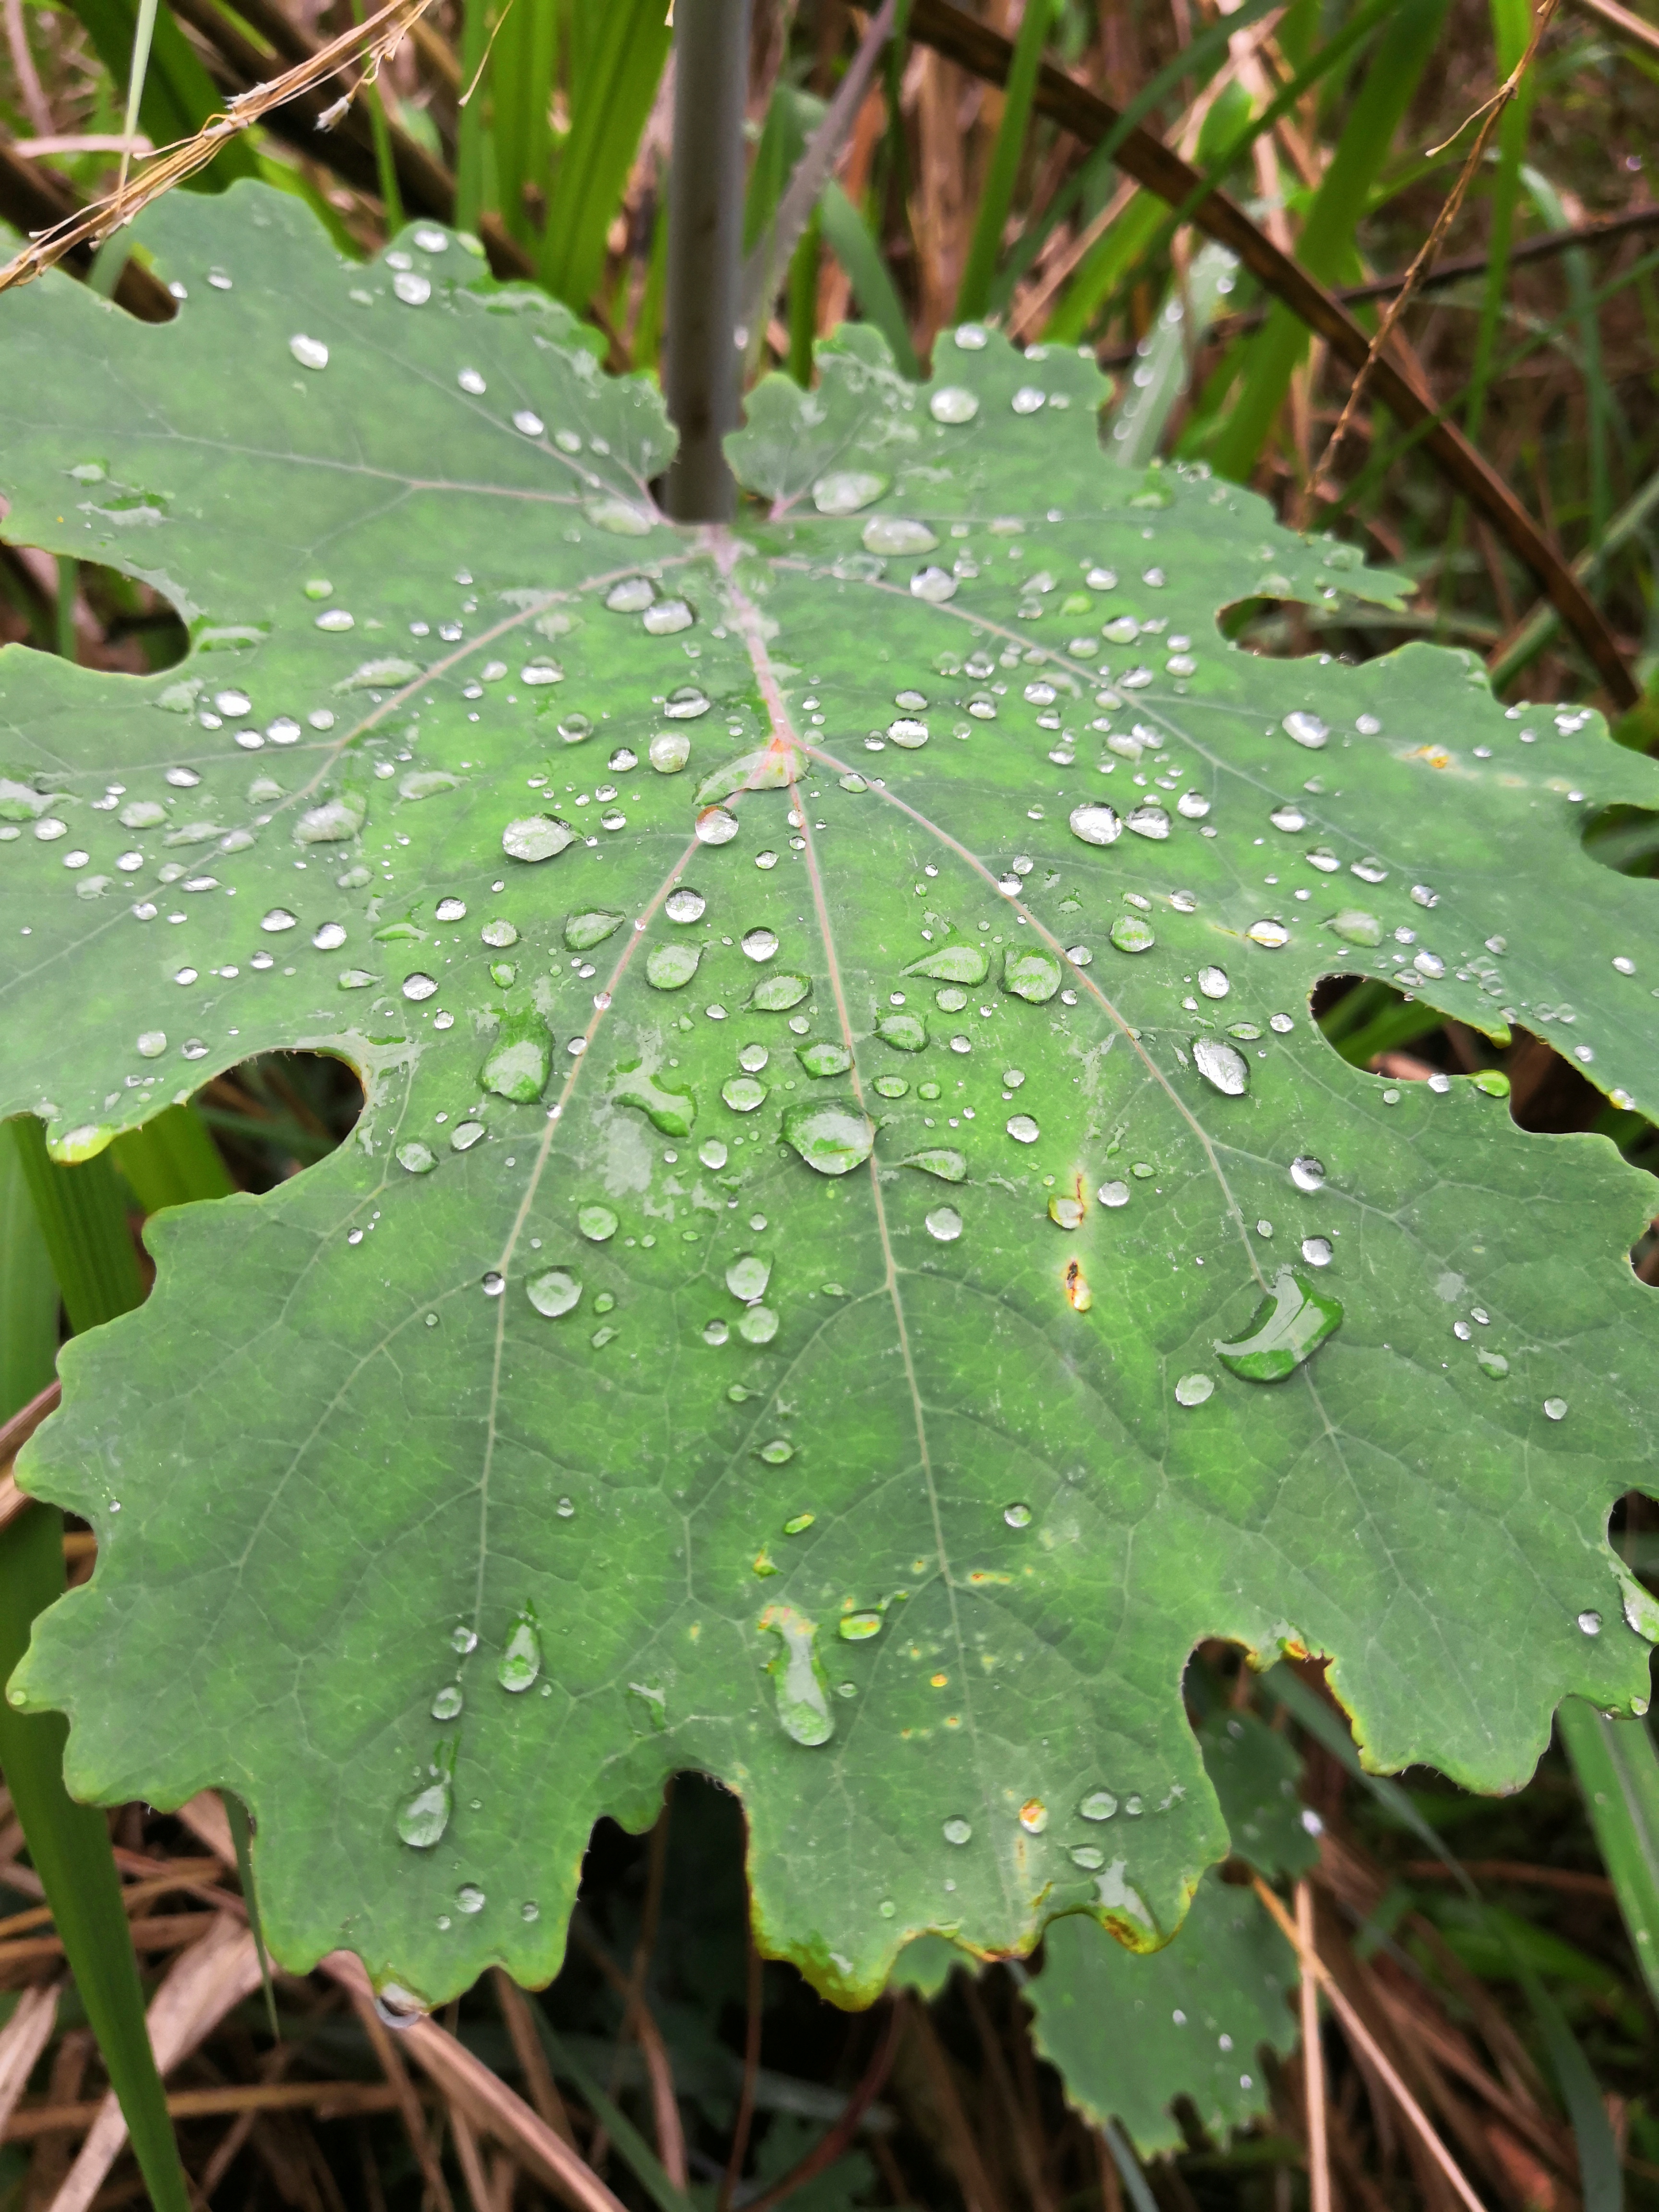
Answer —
538 1443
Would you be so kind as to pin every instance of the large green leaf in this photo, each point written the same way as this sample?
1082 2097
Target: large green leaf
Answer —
886 1497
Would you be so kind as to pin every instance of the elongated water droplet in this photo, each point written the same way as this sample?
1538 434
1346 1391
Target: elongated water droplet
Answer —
844 491
952 963
1287 1329
1307 729
904 1032
798 1678
857 1627
671 967
897 533
536 837
520 1061
820 1058
833 1138
1148 821
423 1821
1355 927
1222 1066
775 995
521 1658
670 1106
582 931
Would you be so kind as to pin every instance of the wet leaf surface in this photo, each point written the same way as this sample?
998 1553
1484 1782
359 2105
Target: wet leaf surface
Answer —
451 1494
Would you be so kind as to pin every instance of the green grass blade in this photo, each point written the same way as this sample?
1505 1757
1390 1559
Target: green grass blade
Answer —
177 95
386 165
1618 1771
242 1836
1399 61
83 1221
1600 2177
985 247
522 63
646 2166
1512 24
80 1226
1162 373
803 300
1600 406
172 1160
1629 523
69 1846
144 33
848 238
1195 65
1128 2166
1116 256
470 134
619 49
28 1289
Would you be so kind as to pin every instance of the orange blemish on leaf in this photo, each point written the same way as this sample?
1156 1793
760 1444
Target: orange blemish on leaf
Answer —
1078 1295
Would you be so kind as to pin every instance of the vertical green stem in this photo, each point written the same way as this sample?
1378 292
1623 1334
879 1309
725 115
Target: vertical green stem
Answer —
81 1219
705 243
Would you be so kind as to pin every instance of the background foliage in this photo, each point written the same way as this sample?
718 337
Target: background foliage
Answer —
1547 361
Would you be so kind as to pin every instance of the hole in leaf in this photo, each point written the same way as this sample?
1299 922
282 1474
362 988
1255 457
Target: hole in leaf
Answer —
1625 838
279 1112
1348 629
112 622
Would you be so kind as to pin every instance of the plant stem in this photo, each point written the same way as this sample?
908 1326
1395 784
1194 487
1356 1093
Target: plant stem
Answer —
83 1220
705 243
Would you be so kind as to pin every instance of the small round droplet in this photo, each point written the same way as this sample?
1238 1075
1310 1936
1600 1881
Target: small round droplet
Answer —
1034 1816
944 1224
1098 1805
419 985
1556 1408
470 1897
447 1702
310 353
1306 1172
597 1223
1017 1516
1022 1129
1316 1251
956 1830
1193 1390
1590 1623
1214 983
953 403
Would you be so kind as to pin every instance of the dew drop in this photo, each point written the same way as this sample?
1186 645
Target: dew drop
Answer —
416 1157
553 1292
1316 1251
1096 824
799 1687
1098 1805
1556 1408
447 1702
1223 1066
1213 983
310 353
956 1830
1307 729
597 1223
1590 1623
1129 933
521 1658
953 403
1022 1129
944 1223
1287 1329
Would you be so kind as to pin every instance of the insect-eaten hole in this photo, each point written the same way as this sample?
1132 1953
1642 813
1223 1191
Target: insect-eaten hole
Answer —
279 1112
1348 629
89 614
1623 838
1391 1033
